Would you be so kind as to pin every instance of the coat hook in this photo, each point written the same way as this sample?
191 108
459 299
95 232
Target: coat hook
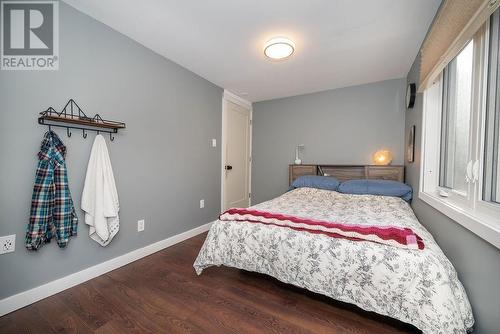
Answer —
111 137
84 134
68 132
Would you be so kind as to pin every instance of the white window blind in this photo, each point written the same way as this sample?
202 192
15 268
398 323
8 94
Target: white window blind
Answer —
454 25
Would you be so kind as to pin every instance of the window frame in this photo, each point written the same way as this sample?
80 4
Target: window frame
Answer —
471 211
494 127
446 79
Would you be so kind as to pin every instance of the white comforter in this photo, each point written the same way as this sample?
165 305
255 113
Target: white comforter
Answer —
419 287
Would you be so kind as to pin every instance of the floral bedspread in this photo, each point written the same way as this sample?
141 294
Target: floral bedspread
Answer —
419 287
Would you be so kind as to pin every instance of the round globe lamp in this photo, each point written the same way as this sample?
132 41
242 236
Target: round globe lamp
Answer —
382 157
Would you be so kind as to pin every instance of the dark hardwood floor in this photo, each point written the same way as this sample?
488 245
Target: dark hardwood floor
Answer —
162 294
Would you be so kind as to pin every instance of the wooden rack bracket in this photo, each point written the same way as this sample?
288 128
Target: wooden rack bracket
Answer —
73 117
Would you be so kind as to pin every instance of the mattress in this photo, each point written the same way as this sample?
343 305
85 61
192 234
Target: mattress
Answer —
419 287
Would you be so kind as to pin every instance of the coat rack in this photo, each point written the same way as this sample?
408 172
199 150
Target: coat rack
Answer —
73 117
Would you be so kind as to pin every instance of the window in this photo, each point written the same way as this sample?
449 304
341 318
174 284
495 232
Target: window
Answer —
455 121
461 136
491 188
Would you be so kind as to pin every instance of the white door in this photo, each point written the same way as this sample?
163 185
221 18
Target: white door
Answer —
237 156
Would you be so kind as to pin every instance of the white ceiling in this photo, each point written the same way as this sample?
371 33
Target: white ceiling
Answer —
339 43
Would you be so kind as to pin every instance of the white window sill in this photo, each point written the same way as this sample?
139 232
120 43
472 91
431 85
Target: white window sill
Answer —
485 226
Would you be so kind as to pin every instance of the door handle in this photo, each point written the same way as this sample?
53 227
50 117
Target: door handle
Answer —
228 167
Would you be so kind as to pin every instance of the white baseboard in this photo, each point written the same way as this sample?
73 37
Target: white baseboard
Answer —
28 297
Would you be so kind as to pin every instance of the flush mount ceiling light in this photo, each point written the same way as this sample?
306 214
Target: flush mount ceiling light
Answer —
279 48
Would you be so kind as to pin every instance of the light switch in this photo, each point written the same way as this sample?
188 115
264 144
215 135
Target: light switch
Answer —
140 225
214 142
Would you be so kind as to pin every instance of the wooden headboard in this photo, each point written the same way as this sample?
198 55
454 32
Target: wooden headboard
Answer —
348 172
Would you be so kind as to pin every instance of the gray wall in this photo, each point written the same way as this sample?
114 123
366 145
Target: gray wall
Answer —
477 262
163 161
342 126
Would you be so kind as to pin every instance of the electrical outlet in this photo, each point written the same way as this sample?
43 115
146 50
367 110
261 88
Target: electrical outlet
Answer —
7 244
202 203
140 225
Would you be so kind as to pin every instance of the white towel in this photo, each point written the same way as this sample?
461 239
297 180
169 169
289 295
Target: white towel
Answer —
100 198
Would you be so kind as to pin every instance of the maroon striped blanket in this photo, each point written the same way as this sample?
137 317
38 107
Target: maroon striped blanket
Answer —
388 235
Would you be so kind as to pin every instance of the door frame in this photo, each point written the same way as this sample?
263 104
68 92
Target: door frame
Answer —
231 97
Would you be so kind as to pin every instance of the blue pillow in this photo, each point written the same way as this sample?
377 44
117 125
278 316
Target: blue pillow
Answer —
316 181
377 187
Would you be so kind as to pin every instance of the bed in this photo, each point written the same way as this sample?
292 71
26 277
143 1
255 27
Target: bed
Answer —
416 286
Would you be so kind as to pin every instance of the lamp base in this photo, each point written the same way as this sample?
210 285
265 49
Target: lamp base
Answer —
298 162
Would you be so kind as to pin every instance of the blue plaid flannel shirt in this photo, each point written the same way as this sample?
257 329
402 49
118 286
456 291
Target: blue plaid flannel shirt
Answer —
52 209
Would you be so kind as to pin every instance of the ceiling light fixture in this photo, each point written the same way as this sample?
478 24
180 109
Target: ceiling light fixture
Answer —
279 48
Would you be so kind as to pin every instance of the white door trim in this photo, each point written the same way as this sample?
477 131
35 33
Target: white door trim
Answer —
237 99
229 96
